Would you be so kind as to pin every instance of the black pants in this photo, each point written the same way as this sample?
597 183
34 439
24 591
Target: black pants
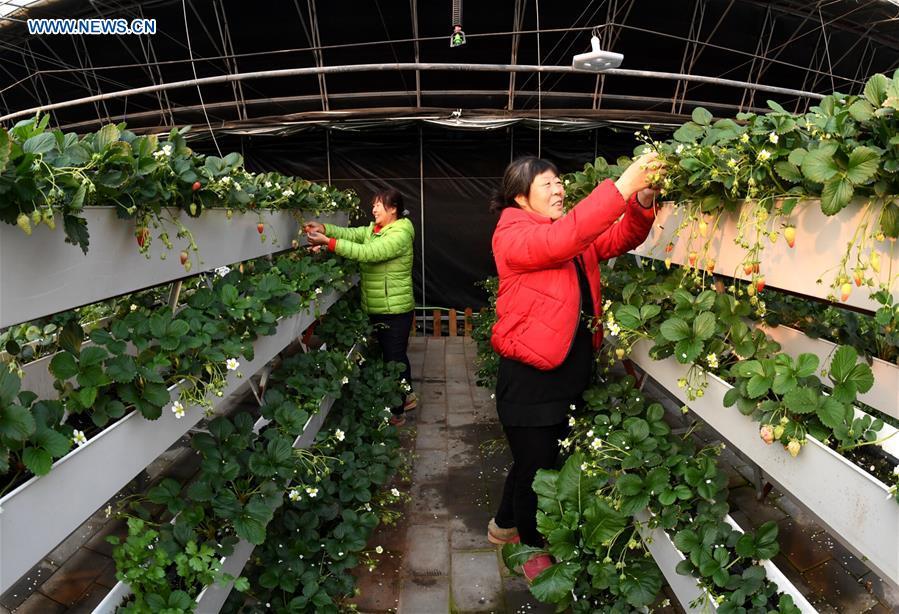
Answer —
533 448
392 333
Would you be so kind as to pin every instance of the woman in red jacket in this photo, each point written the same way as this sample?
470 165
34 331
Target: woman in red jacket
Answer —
549 297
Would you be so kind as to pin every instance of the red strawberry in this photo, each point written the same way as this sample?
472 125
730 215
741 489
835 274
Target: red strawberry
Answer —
669 247
142 234
760 283
767 433
710 265
747 268
196 186
184 257
858 278
692 258
755 266
260 227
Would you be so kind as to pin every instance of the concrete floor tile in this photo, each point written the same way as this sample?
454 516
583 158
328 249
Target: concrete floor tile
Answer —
839 588
758 512
40 604
72 579
432 412
476 582
431 437
27 584
427 551
428 465
90 600
798 547
469 532
424 595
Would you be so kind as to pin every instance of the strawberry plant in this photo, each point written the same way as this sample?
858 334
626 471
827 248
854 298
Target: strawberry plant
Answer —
47 174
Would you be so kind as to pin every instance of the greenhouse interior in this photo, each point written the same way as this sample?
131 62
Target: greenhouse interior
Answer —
430 309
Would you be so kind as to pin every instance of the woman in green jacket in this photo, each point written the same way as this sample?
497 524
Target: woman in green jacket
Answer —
384 251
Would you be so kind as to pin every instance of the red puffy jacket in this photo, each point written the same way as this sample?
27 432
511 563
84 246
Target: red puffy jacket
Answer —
539 297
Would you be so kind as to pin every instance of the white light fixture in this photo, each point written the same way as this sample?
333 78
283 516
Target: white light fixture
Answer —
597 60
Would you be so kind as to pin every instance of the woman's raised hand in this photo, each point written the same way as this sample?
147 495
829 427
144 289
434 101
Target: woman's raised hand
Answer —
313 227
641 174
316 238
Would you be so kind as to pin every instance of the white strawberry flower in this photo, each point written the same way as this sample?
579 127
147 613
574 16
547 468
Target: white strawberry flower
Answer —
712 359
287 193
679 149
732 163
294 494
571 421
267 184
318 291
744 137
394 492
79 438
232 364
896 471
340 435
345 380
773 137
311 491
379 550
178 409
596 444
763 155
133 307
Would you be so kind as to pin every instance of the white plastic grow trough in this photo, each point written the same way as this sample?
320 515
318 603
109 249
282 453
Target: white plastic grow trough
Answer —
820 241
212 598
42 512
855 506
687 588
883 396
41 274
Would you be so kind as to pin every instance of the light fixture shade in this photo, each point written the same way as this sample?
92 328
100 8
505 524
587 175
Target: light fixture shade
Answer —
597 60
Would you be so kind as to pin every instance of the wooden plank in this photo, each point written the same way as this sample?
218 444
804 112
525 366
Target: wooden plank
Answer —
467 326
453 331
438 317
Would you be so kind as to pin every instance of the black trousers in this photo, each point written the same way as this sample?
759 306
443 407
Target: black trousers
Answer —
392 333
533 448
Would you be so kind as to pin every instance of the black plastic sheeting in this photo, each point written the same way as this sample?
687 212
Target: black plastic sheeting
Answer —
458 171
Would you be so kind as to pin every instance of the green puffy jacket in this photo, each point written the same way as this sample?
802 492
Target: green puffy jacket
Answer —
386 262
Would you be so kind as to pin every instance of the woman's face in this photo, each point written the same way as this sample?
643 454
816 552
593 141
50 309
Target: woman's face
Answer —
545 196
383 215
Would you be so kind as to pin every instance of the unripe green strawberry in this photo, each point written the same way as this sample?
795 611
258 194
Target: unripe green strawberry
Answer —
24 223
49 219
193 208
793 447
35 217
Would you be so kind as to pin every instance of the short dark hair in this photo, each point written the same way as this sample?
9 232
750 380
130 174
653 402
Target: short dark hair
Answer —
517 180
391 198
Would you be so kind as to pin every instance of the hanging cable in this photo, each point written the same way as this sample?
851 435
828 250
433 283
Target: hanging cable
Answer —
457 38
539 87
193 66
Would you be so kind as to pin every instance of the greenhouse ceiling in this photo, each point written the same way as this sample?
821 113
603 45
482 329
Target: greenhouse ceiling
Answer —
230 66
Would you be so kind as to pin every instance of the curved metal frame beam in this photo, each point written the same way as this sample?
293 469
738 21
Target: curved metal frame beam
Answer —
353 68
